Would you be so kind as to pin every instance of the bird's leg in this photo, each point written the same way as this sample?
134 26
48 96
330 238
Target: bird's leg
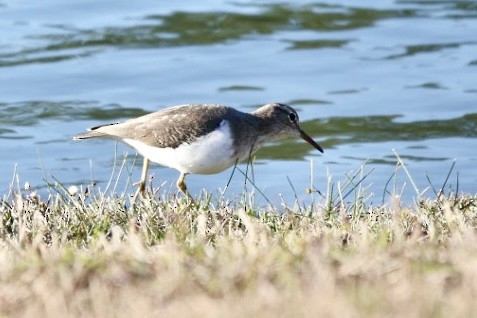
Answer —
182 186
142 183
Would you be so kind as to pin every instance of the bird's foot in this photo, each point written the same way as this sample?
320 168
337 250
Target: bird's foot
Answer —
140 192
183 188
141 184
191 200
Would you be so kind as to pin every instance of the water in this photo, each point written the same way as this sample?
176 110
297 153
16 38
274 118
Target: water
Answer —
369 79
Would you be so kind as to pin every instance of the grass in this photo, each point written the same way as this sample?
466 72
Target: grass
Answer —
96 255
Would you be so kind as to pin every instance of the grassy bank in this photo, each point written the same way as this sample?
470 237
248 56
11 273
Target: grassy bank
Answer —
81 256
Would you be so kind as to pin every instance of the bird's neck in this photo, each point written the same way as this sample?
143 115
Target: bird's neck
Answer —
251 133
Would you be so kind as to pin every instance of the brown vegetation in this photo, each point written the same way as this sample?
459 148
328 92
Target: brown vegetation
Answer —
84 257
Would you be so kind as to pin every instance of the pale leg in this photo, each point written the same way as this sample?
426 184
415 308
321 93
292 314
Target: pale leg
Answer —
182 186
142 183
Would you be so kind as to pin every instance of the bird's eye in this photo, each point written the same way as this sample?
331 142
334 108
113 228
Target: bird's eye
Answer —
292 117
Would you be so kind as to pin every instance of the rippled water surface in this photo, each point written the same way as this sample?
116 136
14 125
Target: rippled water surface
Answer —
370 79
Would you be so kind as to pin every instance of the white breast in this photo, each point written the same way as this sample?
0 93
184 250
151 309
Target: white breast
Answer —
209 154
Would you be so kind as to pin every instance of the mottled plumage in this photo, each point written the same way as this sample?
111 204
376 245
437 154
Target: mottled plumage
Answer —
203 139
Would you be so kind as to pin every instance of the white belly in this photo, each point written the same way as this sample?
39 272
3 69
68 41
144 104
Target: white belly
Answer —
209 154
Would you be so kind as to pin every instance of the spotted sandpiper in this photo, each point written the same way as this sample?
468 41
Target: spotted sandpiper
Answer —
202 139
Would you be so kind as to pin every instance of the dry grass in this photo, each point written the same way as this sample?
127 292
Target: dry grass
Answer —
86 257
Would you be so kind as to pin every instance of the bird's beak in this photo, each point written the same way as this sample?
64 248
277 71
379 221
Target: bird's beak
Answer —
310 141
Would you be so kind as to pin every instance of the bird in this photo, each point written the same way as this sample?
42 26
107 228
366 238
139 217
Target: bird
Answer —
202 138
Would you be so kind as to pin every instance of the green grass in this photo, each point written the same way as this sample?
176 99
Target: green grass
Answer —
100 256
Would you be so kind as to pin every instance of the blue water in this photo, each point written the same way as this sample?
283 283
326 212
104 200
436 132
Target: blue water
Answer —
367 78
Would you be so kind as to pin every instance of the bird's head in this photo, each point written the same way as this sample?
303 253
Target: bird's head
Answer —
284 121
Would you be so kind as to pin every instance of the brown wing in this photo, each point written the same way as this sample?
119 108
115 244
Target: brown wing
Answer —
170 127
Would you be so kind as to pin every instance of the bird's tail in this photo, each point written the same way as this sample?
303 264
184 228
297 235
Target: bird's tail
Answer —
91 134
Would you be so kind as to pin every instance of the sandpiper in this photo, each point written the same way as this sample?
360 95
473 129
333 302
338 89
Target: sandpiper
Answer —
202 139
